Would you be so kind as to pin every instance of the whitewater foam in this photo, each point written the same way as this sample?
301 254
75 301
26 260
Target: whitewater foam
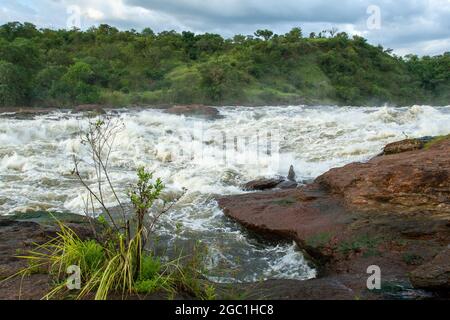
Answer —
208 158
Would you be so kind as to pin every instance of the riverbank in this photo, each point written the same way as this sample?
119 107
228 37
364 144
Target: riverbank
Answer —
392 211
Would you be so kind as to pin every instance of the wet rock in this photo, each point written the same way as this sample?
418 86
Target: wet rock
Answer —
434 275
287 185
196 110
291 174
262 184
403 146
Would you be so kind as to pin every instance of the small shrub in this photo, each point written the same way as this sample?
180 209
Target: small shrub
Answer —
150 268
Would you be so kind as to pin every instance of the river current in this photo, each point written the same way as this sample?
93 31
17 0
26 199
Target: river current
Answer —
208 158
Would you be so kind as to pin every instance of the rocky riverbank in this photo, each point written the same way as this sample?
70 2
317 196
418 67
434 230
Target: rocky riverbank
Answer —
392 211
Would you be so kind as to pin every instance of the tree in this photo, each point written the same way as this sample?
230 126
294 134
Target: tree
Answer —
12 90
265 34
78 83
147 32
294 35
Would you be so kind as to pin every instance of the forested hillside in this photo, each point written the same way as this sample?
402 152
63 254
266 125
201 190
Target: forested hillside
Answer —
43 67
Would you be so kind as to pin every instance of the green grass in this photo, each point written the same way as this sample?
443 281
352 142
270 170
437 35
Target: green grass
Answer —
365 243
285 202
319 240
437 139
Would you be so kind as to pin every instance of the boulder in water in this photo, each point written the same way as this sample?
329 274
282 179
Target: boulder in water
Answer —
291 174
406 145
262 184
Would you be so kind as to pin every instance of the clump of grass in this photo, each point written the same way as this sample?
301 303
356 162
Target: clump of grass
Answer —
319 240
110 268
360 243
285 202
435 140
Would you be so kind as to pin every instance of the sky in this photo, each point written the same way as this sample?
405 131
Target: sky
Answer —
419 27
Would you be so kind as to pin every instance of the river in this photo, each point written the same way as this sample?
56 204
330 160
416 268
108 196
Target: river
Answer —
208 158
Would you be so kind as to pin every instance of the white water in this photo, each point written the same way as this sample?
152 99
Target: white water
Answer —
35 166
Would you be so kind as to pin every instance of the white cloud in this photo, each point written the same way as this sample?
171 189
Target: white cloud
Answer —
94 14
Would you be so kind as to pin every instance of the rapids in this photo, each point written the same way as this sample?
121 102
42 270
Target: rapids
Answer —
208 158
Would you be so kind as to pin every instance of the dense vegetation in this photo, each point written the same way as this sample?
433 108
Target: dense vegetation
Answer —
43 67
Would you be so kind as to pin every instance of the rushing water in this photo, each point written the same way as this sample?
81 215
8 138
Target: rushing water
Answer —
208 158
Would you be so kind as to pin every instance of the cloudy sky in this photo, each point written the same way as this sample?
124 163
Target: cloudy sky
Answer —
407 26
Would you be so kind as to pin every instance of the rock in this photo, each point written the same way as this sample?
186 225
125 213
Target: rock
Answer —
403 146
294 214
291 174
433 275
202 111
401 182
362 214
262 184
287 185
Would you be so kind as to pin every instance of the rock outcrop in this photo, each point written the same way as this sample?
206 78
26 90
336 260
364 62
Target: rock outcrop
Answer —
392 211
402 182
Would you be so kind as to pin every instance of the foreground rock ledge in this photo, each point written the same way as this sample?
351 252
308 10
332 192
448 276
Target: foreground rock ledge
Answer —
392 211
